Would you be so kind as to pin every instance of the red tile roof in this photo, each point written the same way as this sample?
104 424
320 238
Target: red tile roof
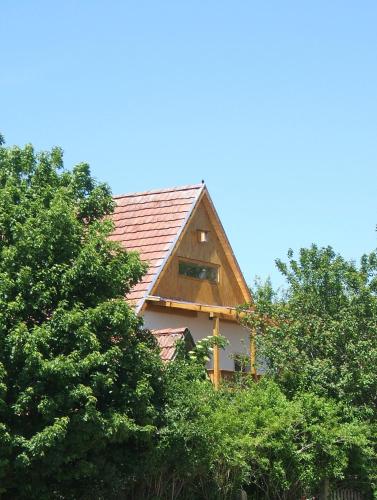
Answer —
167 339
150 223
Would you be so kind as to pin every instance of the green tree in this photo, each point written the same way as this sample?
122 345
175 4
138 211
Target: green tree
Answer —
319 335
79 379
277 447
247 436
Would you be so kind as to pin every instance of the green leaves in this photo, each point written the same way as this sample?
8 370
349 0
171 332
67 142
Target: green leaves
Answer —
251 436
203 349
79 380
319 337
42 442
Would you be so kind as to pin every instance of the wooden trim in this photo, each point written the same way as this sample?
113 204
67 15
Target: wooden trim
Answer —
216 354
163 309
253 352
230 312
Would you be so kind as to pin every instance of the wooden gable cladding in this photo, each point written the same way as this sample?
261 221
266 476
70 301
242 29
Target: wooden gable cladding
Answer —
227 291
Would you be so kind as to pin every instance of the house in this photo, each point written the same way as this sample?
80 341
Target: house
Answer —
193 282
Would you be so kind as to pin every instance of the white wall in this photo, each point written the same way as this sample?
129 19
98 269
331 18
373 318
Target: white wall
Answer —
201 326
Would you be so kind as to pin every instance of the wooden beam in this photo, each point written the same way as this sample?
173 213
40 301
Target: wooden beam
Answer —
253 352
228 312
216 354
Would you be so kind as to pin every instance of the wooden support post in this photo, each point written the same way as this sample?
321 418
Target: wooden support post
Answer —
216 354
253 352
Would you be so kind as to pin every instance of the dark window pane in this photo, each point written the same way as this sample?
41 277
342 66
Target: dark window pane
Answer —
241 363
198 271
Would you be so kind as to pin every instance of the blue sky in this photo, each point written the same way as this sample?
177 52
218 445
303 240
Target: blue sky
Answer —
273 103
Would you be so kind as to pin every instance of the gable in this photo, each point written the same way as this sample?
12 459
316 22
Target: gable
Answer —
226 290
150 223
162 226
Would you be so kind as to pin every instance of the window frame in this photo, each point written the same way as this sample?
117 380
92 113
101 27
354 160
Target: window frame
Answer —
199 232
199 263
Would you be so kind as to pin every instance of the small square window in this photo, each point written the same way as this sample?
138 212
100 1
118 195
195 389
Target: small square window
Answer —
203 236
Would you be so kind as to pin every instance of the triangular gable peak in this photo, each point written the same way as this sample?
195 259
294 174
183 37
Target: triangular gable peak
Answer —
203 247
164 226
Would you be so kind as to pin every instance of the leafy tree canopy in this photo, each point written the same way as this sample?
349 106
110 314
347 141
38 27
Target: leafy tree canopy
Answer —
78 377
248 435
320 335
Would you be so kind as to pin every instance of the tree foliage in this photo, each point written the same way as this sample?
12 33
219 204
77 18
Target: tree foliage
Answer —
250 436
78 377
88 411
319 335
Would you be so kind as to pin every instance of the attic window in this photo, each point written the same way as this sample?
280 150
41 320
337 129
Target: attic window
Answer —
199 271
202 236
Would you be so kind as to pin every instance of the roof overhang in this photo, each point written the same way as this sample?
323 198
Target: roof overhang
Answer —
225 312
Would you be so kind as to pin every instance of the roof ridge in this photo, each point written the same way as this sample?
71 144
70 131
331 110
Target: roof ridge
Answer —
160 191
